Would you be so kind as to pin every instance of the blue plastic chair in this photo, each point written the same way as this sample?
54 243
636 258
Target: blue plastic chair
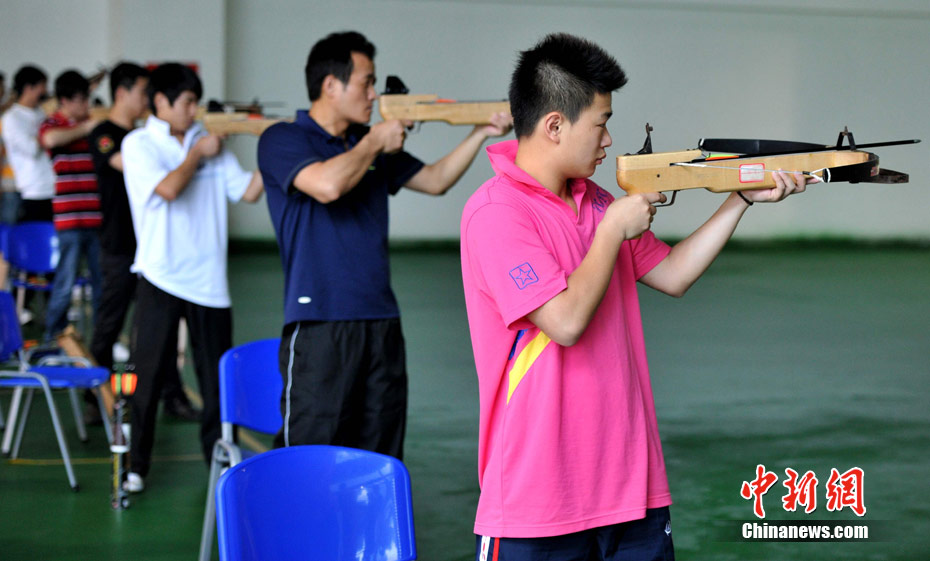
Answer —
250 396
4 237
4 249
32 250
53 372
33 253
316 502
5 276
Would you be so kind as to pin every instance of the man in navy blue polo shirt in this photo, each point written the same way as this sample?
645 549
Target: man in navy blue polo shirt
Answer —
328 176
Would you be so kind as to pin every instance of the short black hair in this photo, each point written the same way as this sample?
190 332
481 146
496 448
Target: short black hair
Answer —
561 73
172 79
125 75
70 84
27 76
333 55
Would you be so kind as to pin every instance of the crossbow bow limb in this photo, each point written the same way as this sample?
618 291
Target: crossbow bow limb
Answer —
725 164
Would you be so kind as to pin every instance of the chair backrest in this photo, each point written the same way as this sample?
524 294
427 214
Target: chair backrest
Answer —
11 339
250 386
316 502
33 247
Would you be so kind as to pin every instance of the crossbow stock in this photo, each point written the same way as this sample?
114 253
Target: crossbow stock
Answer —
236 118
725 164
397 103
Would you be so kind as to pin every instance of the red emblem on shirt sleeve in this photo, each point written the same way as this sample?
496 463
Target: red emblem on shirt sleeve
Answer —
105 144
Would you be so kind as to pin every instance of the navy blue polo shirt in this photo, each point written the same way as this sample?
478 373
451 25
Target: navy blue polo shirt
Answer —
335 255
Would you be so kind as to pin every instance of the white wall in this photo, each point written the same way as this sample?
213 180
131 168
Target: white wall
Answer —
765 69
89 34
54 35
783 69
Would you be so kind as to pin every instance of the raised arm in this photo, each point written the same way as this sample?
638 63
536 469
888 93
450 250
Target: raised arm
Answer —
328 180
59 136
565 317
178 179
439 177
691 257
253 193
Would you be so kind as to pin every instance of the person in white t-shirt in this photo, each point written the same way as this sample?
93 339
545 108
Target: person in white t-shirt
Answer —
31 165
178 178
9 197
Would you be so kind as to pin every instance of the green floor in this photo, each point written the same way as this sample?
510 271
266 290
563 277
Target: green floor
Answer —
809 359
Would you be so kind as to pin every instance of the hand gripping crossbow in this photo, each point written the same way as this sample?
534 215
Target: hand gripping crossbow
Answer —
727 164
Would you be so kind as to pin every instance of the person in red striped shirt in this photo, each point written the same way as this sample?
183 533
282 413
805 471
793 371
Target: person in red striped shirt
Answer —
76 205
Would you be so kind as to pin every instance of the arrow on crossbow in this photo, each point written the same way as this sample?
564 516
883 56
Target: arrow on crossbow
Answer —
723 165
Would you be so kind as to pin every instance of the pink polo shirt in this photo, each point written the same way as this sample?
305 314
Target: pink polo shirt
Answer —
568 438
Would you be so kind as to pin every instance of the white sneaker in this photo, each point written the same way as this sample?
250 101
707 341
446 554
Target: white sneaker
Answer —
120 352
25 317
133 483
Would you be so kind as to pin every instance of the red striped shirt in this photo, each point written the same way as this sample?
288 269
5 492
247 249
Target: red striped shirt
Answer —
77 202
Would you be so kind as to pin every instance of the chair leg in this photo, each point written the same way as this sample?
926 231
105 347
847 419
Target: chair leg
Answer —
20 297
60 434
209 511
56 424
23 421
2 422
78 414
11 421
107 426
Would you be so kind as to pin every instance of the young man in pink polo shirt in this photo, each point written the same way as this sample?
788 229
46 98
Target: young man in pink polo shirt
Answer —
570 463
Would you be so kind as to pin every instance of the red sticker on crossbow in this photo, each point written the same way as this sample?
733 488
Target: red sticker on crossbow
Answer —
751 173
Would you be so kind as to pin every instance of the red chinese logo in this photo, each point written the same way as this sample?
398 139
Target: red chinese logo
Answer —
846 490
800 492
842 490
758 487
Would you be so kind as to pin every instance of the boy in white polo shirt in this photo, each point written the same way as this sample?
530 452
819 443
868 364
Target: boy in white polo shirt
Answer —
178 178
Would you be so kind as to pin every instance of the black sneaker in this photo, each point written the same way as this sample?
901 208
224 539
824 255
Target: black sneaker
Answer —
181 409
91 415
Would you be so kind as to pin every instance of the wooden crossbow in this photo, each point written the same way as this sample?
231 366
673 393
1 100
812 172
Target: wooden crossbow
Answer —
236 118
722 165
397 103
217 118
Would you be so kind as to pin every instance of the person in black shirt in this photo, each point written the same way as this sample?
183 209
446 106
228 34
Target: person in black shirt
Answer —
128 83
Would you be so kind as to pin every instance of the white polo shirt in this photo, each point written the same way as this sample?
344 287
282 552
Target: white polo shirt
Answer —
181 244
31 165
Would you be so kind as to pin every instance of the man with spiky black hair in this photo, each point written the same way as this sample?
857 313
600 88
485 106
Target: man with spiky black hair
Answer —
570 462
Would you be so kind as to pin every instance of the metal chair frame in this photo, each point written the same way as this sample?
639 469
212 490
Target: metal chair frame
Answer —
250 390
52 372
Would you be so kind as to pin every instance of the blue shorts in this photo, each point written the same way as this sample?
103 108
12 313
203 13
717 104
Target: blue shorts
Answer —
647 539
